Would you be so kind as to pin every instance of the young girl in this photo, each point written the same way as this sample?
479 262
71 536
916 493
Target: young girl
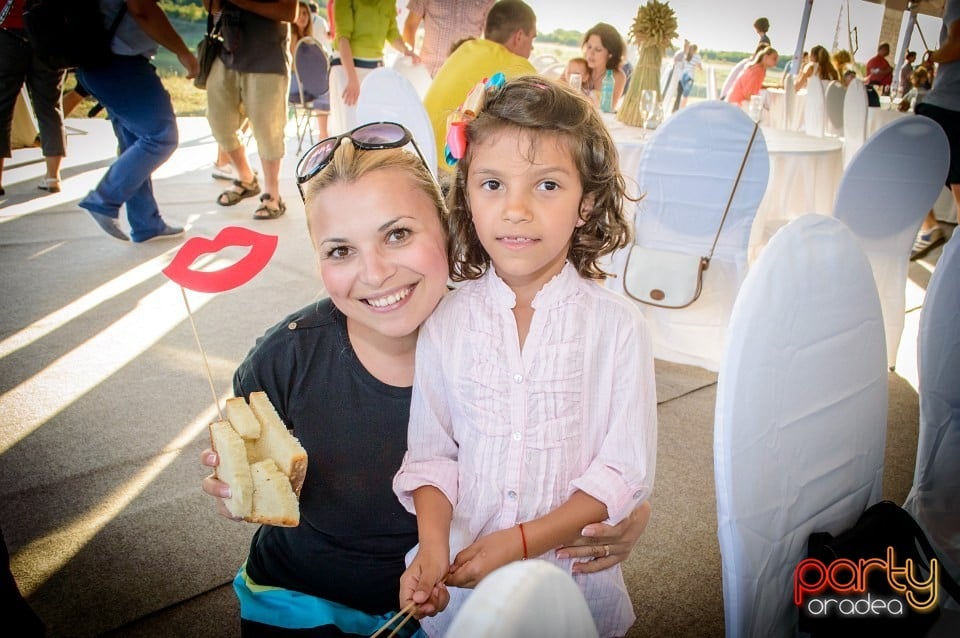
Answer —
533 410
339 373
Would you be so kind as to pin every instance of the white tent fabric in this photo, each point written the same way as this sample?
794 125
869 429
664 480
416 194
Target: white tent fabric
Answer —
854 118
800 420
523 599
814 113
934 499
387 96
885 191
687 171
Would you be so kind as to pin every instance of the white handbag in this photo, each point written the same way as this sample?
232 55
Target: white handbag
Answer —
664 278
671 279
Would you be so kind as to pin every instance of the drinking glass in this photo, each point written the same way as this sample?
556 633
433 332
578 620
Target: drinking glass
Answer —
575 81
648 104
756 107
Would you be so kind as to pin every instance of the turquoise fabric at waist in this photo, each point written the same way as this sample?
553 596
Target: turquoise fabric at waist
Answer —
280 607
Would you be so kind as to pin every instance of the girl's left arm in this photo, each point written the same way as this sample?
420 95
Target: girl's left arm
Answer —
526 540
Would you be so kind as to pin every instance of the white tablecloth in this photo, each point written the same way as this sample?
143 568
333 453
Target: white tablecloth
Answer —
805 174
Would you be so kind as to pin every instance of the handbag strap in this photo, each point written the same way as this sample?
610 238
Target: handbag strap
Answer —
733 191
5 11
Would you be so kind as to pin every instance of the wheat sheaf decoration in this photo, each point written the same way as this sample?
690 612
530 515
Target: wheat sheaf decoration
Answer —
653 31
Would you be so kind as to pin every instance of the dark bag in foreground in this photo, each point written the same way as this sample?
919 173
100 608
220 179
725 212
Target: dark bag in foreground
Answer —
867 545
208 50
66 34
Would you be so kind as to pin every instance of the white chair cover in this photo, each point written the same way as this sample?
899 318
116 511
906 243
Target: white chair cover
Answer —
711 82
523 599
417 74
854 118
834 106
890 184
687 171
814 109
670 90
801 415
387 96
934 499
790 102
541 62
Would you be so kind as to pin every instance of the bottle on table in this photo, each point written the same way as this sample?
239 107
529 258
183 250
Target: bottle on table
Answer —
606 92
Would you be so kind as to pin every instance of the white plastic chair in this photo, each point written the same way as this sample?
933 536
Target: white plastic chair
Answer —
387 96
854 119
934 499
814 109
687 171
417 74
541 62
833 98
309 87
801 415
890 184
522 599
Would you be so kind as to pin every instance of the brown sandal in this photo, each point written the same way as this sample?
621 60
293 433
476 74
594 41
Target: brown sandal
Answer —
233 196
265 212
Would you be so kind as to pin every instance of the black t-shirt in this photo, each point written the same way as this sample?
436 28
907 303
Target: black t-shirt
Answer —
353 533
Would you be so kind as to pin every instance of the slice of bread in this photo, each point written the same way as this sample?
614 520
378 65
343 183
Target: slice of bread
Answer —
276 442
274 503
265 473
242 419
234 469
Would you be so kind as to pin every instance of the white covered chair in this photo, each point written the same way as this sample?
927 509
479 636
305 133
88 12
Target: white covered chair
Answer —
418 74
712 82
814 110
885 191
833 99
854 118
541 62
686 172
801 414
522 599
387 96
934 499
670 89
790 103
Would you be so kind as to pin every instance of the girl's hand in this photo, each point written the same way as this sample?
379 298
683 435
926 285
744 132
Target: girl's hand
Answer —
422 583
214 486
483 556
603 546
352 91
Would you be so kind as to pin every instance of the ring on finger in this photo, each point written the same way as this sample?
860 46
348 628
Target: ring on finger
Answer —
606 551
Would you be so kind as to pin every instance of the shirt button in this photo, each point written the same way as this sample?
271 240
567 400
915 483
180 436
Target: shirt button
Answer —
516 436
292 325
518 378
512 495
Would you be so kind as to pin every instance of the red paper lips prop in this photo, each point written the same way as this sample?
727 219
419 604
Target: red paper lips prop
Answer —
261 247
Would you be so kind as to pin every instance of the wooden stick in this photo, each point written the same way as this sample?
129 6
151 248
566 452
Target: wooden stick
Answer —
404 622
409 608
203 354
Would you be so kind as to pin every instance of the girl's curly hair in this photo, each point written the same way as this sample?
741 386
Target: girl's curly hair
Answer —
538 105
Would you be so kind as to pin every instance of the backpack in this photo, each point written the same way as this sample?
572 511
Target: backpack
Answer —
70 33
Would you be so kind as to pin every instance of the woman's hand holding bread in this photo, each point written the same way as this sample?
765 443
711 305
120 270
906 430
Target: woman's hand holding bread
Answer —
214 486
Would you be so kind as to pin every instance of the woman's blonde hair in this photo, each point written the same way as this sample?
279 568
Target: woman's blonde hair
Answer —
349 164
535 105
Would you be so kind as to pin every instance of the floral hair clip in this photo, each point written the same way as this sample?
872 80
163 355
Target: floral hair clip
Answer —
456 146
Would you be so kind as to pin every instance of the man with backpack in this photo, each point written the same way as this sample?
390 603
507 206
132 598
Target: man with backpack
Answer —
139 106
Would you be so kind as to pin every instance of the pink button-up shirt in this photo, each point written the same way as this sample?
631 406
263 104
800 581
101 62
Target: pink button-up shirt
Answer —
509 434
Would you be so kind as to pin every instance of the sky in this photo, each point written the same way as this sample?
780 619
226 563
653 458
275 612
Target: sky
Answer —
727 25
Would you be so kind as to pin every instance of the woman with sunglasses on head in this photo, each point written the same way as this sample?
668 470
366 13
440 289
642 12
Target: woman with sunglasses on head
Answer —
339 372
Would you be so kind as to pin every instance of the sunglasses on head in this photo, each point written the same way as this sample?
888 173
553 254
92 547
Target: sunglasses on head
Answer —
366 137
